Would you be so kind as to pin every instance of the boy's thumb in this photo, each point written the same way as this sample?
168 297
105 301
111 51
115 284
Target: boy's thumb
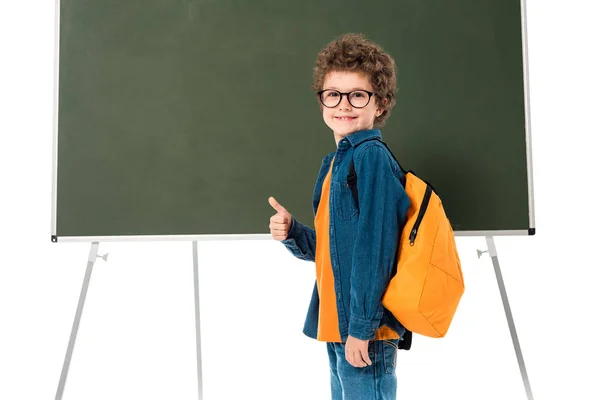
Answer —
278 207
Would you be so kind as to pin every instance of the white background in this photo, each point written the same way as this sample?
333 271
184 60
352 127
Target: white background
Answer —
136 339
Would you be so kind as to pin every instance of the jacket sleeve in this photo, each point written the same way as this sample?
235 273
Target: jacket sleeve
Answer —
382 209
301 241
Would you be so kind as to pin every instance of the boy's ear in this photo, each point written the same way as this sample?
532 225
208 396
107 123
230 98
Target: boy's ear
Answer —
381 110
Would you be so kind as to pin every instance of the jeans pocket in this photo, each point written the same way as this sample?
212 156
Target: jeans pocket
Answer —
390 351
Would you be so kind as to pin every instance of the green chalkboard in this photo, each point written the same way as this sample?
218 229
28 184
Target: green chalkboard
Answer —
181 117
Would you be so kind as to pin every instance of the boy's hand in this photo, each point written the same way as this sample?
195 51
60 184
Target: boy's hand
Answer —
280 222
357 352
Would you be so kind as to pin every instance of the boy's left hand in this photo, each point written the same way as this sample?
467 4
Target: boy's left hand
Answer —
357 352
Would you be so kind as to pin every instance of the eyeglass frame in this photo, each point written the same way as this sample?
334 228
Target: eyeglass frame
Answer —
320 92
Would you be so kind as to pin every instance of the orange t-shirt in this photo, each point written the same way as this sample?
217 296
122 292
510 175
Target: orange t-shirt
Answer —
328 327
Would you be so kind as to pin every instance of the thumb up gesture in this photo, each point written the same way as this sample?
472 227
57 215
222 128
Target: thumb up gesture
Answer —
280 222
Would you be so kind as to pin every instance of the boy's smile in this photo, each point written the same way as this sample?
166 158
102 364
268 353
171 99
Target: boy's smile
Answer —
344 119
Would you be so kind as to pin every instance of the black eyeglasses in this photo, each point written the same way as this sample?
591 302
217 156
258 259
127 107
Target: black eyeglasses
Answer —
357 98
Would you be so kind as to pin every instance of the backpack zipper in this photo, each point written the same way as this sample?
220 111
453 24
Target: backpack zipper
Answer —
413 233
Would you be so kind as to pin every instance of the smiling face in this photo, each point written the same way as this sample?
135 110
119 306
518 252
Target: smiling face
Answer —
344 119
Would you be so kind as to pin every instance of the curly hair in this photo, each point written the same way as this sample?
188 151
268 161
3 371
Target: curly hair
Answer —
354 52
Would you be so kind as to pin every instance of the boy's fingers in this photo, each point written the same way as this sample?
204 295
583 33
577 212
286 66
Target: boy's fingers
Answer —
274 203
365 357
360 360
352 356
350 359
279 219
279 236
356 360
278 207
277 228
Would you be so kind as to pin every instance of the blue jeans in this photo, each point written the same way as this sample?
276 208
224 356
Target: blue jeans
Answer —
373 382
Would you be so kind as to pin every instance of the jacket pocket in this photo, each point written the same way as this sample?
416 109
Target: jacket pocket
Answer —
344 205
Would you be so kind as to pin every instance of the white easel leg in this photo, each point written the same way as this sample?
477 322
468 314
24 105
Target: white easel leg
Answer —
511 323
86 282
197 310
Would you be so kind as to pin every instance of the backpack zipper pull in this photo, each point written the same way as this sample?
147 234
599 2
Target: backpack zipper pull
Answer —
413 236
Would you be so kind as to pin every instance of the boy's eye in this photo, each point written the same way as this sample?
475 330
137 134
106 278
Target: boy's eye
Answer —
358 95
332 94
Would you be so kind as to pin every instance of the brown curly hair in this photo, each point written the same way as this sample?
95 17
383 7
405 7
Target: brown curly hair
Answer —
354 52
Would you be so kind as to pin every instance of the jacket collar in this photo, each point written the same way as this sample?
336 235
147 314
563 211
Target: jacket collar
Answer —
358 137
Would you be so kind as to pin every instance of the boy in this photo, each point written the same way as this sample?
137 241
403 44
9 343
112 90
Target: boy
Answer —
353 246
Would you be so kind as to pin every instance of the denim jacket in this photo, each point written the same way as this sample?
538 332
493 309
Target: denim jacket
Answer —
363 245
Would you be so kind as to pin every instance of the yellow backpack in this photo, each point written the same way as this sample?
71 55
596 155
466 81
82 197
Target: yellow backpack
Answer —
428 284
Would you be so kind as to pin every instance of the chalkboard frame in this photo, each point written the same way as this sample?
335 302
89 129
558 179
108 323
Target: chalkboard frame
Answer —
467 233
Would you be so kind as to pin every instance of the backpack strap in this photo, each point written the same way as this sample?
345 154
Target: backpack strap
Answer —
351 182
351 178
406 342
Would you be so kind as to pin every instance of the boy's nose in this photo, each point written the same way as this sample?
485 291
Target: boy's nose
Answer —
345 103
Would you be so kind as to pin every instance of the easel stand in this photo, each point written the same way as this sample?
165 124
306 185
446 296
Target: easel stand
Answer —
86 282
511 323
94 255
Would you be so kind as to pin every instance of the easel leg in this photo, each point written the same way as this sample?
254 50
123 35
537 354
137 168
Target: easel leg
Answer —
86 282
511 323
197 310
